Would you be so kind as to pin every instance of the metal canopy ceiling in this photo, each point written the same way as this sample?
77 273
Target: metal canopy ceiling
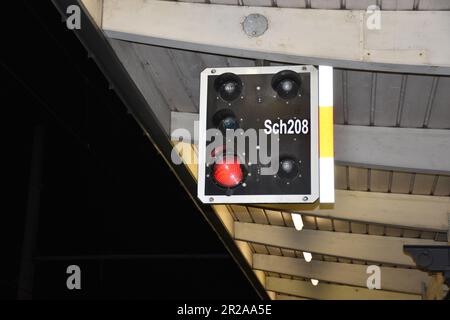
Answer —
168 80
338 4
361 98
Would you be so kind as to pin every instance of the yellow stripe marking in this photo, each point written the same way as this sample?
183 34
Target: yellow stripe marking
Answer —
326 132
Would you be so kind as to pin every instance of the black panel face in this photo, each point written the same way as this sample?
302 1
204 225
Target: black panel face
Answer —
257 103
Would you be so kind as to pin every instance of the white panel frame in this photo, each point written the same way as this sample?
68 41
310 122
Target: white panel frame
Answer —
314 136
326 164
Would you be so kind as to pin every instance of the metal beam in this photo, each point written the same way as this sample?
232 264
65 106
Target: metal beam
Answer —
363 247
400 210
324 291
288 297
339 38
400 149
392 279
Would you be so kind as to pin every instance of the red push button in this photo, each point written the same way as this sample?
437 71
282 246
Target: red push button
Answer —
228 172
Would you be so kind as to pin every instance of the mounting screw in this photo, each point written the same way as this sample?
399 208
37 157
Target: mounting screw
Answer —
213 71
211 199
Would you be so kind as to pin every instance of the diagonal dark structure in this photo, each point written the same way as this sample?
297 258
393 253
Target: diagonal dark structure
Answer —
100 50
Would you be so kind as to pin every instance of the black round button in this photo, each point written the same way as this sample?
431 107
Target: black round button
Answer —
288 168
229 86
287 84
224 120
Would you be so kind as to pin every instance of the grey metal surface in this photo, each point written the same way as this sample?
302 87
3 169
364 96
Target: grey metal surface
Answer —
391 99
257 54
255 25
382 148
360 97
416 150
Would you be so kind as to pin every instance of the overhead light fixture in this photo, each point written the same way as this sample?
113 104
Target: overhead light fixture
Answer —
307 256
298 221
314 282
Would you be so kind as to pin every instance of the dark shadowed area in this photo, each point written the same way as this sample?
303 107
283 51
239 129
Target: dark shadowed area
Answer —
83 176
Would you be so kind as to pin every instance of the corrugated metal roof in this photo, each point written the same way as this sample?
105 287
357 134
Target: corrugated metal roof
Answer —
360 97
